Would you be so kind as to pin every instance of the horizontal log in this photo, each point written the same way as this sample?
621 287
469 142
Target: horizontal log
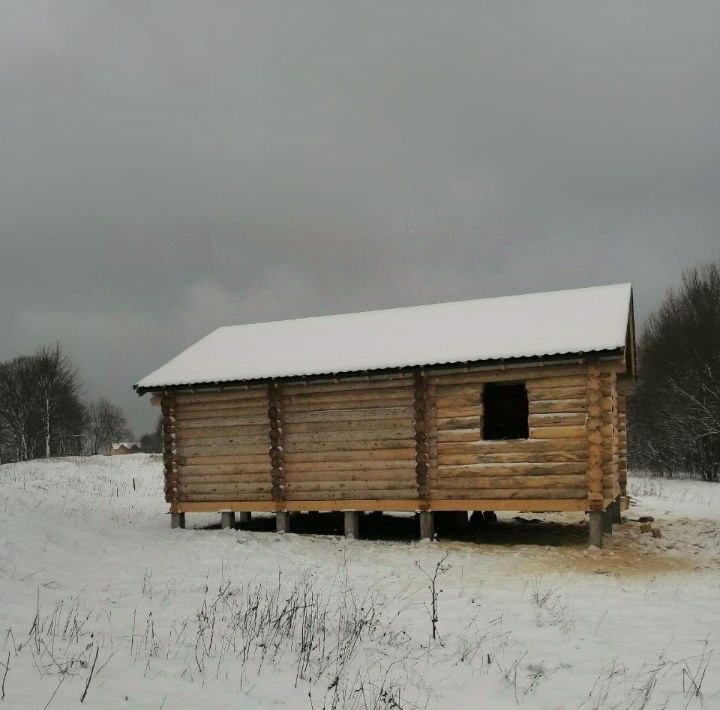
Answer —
183 433
214 441
345 385
260 479
513 493
350 455
447 423
339 486
456 412
534 457
405 477
221 499
520 483
364 435
221 421
348 415
508 374
541 420
450 390
231 487
341 497
555 393
558 432
202 459
238 451
559 381
479 448
201 411
557 406
310 399
348 405
369 425
226 468
397 466
480 470
459 435
294 446
458 400
253 395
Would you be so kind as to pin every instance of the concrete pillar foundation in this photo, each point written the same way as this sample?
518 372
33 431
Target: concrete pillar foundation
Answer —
427 525
596 526
352 523
177 520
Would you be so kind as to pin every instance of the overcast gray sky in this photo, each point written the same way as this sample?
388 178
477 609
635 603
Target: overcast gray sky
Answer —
168 167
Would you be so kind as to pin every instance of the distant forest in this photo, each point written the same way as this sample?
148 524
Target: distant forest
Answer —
42 414
674 417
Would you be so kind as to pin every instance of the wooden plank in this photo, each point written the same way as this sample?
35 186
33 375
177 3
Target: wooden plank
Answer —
558 381
458 412
560 456
480 448
255 497
453 435
241 451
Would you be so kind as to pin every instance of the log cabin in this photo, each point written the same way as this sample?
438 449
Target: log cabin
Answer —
499 404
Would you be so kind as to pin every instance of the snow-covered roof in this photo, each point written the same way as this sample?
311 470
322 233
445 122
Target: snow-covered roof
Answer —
125 445
531 325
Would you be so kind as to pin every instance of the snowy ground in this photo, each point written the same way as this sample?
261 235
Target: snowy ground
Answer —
98 594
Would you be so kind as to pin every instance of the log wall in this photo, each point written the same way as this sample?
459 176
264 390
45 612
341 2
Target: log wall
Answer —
411 439
222 446
350 440
550 464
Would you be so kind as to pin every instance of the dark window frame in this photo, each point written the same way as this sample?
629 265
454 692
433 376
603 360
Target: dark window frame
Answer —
506 415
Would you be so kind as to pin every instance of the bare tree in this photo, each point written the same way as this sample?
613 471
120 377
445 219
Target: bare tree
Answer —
39 407
105 423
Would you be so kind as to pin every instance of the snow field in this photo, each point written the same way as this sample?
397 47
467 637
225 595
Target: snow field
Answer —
99 597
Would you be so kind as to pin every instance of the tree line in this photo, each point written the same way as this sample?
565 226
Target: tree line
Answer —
674 417
42 414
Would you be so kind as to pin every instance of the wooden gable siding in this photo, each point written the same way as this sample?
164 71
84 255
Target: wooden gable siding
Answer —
411 438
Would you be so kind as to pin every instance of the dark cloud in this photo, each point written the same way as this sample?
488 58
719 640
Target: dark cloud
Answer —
171 166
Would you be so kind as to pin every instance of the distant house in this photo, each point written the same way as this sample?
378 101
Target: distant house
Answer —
514 404
125 447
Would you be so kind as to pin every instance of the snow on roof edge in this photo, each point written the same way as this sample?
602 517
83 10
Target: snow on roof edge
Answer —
202 362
